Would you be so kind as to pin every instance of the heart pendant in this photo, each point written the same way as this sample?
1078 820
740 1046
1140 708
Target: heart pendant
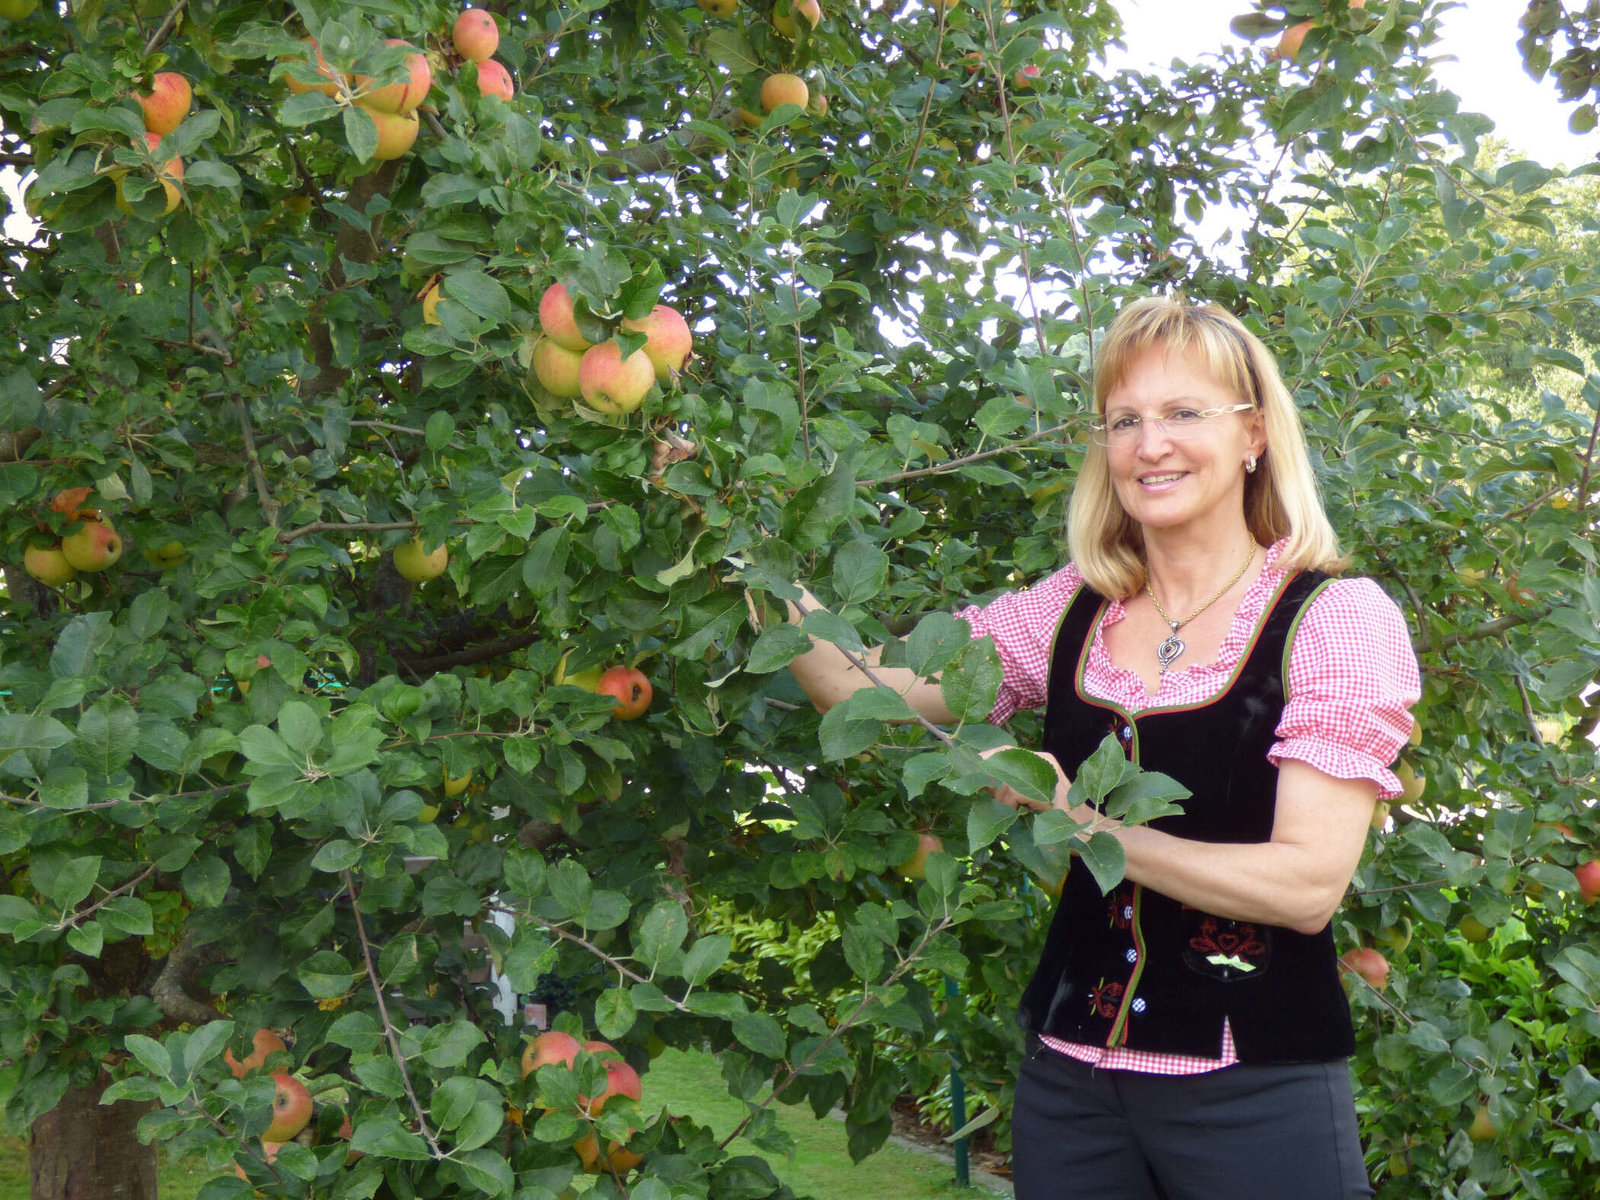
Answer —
1167 652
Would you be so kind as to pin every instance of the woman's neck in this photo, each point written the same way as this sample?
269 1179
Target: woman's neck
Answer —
1185 571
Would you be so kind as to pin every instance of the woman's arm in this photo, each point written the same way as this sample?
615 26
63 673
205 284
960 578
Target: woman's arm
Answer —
1296 879
826 674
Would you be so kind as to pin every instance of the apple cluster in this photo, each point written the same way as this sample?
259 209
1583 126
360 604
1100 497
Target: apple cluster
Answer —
554 1048
292 1105
164 106
568 365
392 106
94 546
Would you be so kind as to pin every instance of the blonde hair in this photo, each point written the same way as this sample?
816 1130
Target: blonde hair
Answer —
1281 499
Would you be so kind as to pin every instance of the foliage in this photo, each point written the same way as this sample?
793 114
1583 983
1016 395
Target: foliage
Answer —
895 307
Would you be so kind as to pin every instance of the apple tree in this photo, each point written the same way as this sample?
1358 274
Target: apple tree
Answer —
344 535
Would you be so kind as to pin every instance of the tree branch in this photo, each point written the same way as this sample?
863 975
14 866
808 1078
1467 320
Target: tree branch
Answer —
171 988
383 1014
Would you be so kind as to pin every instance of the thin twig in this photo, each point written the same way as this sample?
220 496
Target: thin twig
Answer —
1588 461
291 535
269 503
567 935
383 1014
161 30
955 464
406 429
1493 628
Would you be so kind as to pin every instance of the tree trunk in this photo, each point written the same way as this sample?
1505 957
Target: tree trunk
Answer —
80 1150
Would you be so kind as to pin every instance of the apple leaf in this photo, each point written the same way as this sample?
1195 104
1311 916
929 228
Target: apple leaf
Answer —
937 639
729 48
705 958
860 572
1104 857
360 131
971 681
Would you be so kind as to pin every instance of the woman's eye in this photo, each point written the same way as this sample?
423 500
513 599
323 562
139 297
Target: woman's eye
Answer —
1185 416
1125 423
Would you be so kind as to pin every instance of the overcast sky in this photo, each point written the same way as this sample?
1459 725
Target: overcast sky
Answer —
1481 36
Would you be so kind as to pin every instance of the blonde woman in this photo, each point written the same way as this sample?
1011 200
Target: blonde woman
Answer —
1188 1033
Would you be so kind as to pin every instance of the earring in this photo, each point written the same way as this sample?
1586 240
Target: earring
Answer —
1250 464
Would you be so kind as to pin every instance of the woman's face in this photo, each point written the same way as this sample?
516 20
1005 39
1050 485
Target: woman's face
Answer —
1189 475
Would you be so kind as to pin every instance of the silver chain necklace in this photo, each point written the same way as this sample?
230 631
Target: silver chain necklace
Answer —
1168 651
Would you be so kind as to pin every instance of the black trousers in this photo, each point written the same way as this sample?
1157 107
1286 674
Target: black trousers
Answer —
1246 1132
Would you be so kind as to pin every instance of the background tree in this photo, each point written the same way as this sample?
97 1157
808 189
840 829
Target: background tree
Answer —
266 769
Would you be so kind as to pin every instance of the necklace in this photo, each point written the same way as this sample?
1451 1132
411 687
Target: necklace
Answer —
1168 651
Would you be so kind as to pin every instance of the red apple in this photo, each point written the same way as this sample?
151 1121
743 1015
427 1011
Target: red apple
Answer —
621 1079
1026 76
94 547
265 1042
291 1108
557 321
612 384
399 97
48 565
669 340
166 104
1369 964
495 80
630 689
552 1046
556 368
475 34
168 173
1588 880
916 867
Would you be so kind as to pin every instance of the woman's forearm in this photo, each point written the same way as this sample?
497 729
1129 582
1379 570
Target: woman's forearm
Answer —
828 675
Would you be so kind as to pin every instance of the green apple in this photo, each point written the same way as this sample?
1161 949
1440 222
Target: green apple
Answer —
414 561
48 565
612 384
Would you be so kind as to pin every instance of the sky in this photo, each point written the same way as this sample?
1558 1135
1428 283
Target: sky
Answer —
1480 35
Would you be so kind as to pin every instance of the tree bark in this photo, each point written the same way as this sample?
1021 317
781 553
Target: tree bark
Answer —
81 1150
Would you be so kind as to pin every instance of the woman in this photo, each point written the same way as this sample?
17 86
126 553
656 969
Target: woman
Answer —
1188 1033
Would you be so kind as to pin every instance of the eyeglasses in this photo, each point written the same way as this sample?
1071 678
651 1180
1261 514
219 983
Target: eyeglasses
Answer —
1180 425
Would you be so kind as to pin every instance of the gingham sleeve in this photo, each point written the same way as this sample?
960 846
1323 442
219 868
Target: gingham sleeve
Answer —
1023 626
1352 680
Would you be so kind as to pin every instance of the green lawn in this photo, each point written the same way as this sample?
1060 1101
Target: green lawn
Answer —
691 1085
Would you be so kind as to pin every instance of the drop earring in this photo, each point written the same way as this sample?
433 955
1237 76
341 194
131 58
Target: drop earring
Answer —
1250 464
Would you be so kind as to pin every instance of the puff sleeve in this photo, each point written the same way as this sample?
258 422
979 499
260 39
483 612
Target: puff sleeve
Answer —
1352 679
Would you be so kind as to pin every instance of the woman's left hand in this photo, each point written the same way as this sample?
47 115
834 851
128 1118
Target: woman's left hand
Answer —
1012 798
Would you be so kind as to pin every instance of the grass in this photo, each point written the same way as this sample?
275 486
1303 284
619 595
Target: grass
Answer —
687 1084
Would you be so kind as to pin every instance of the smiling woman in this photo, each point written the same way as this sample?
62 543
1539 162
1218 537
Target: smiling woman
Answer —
1188 1031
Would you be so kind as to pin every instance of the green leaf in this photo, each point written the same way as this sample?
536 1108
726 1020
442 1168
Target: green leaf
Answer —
760 1033
1101 772
936 640
971 682
335 856
1104 857
300 728
705 957
860 572
851 726
614 1013
325 975
775 648
481 294
65 881
660 934
441 427
30 732
987 819
151 1054
206 881
360 131
106 736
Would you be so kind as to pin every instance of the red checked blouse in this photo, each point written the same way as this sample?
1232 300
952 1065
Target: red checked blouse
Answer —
1352 679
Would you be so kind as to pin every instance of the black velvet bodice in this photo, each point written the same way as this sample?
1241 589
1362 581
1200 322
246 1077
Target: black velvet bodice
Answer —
1136 967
